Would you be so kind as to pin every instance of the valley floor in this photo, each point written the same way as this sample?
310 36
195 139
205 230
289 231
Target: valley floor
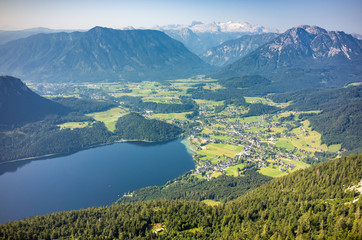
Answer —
221 138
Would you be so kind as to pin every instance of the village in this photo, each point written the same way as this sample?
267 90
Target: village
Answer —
228 143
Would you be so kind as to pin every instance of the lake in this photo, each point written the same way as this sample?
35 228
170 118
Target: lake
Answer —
93 177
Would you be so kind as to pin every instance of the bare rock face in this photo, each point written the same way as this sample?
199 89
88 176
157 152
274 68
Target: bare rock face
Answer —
304 56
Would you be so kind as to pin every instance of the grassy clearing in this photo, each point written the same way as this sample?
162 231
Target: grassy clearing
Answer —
162 99
278 130
214 150
307 139
199 176
207 130
220 137
284 114
334 148
216 174
233 170
193 230
256 100
109 117
272 172
255 129
298 164
283 143
213 86
211 202
73 125
249 119
209 102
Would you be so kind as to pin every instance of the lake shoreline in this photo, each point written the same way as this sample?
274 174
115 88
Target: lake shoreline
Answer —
89 178
62 154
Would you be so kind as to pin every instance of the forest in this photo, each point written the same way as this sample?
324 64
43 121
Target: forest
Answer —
315 203
187 187
138 105
133 126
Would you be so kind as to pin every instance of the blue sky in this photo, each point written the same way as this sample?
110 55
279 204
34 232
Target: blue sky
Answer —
343 15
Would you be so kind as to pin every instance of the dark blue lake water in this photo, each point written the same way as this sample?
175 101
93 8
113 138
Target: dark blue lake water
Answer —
93 177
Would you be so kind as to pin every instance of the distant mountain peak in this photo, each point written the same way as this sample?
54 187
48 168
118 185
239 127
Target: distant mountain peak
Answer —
303 55
199 36
232 50
312 29
222 27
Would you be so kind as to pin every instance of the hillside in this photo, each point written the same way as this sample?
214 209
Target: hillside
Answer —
135 127
340 119
316 203
302 57
232 50
18 104
99 54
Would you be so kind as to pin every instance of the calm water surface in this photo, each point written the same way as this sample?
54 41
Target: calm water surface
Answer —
94 177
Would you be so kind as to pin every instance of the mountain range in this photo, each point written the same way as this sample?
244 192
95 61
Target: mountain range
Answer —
199 37
19 104
302 57
232 50
7 36
100 54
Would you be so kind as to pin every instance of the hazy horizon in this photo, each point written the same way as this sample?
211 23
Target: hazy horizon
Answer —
82 15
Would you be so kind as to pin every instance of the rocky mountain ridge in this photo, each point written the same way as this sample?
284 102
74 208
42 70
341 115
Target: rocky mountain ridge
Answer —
232 50
199 37
303 56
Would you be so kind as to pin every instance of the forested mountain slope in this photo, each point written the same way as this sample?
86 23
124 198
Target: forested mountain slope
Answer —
19 104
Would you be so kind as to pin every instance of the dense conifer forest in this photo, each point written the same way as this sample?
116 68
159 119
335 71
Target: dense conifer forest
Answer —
187 187
320 202
135 127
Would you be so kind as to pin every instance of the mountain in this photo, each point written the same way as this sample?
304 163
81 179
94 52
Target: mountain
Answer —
304 56
358 36
199 37
321 202
99 54
232 50
7 36
18 104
